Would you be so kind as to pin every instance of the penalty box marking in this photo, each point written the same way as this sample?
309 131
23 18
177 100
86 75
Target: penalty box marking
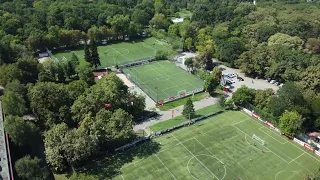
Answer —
271 136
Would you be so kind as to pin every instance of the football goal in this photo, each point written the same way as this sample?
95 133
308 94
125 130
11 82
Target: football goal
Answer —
261 141
182 92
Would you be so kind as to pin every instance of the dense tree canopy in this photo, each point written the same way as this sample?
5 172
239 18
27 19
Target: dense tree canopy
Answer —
273 39
21 132
30 168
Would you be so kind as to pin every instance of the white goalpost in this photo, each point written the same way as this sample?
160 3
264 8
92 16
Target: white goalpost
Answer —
261 141
181 92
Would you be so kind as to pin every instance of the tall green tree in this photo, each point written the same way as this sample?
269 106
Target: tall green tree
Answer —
85 73
210 84
50 102
110 90
188 109
30 168
243 96
21 132
87 53
74 60
14 103
189 63
222 101
216 73
15 99
290 122
29 69
9 73
95 60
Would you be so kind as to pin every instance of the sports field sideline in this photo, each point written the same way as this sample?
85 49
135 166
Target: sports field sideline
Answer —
124 52
221 147
161 80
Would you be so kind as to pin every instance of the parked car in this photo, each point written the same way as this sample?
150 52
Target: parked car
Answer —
240 78
228 82
232 75
272 81
232 80
277 83
227 76
268 80
281 85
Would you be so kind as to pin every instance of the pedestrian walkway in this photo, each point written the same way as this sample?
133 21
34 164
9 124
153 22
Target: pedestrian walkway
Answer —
165 115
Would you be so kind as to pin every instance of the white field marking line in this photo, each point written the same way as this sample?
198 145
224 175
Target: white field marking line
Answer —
245 137
147 87
76 55
121 53
122 176
225 169
165 167
189 169
191 84
304 168
264 147
271 136
282 172
175 145
196 157
296 158
147 46
287 140
278 174
240 122
247 170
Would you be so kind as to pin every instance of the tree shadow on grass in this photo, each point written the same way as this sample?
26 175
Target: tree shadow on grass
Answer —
111 165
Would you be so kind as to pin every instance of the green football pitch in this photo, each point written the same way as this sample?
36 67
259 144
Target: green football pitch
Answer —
124 52
161 80
220 147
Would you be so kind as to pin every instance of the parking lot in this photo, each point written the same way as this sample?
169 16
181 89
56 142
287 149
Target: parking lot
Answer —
247 81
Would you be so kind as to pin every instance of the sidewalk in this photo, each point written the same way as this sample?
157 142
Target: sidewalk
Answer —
165 115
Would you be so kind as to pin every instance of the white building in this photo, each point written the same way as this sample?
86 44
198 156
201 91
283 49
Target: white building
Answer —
177 20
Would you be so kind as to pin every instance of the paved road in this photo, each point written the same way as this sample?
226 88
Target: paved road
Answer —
165 115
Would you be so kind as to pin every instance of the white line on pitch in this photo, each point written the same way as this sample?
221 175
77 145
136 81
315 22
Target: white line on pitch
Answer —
166 167
296 158
196 158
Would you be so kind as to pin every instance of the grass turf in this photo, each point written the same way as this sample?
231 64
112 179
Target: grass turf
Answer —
180 102
180 119
124 52
185 13
161 80
220 147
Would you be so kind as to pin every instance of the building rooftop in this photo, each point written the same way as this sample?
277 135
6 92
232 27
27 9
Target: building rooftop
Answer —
177 20
4 163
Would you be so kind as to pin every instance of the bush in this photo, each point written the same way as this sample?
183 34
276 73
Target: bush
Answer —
161 55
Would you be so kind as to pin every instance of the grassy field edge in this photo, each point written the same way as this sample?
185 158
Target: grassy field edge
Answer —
180 119
180 102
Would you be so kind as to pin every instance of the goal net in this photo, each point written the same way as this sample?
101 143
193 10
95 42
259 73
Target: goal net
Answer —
261 141
182 92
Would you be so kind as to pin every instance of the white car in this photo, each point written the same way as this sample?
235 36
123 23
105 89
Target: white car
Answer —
231 80
272 81
233 75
